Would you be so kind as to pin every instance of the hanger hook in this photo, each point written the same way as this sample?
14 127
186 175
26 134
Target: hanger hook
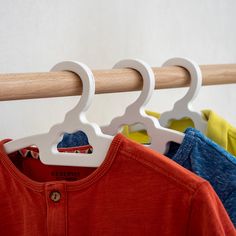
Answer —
148 81
135 110
183 107
88 91
195 75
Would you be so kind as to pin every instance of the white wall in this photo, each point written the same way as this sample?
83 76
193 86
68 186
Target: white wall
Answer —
34 35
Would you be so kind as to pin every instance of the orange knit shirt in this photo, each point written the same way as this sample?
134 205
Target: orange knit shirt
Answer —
135 191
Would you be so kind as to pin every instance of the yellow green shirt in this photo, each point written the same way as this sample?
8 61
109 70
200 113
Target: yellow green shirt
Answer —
218 130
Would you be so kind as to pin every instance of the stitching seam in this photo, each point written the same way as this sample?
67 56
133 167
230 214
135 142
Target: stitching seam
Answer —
151 165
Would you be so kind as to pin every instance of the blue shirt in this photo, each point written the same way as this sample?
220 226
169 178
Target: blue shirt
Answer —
76 139
207 159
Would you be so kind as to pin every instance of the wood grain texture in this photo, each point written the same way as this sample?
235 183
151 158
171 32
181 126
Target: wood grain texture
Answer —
57 84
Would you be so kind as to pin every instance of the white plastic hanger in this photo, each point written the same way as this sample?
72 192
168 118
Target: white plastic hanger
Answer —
183 107
47 143
135 112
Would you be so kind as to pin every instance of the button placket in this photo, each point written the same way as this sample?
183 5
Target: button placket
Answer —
56 209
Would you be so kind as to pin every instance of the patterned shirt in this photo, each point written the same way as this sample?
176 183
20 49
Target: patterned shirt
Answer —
207 159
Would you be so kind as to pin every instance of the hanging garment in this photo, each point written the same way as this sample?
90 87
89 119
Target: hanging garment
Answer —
78 138
33 152
135 191
218 129
210 161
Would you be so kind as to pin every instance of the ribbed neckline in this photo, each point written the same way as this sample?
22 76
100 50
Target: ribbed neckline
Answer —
22 179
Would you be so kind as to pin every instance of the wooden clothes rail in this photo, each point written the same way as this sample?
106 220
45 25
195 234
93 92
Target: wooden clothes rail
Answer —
57 84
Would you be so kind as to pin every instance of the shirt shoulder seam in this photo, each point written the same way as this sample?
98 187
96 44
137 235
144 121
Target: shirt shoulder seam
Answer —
155 167
191 202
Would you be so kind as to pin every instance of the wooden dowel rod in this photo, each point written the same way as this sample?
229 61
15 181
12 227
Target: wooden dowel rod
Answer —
57 84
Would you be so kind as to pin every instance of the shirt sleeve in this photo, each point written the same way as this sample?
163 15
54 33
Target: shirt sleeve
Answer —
208 215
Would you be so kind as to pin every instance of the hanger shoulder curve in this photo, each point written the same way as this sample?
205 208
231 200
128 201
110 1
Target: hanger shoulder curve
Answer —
183 107
74 120
135 113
